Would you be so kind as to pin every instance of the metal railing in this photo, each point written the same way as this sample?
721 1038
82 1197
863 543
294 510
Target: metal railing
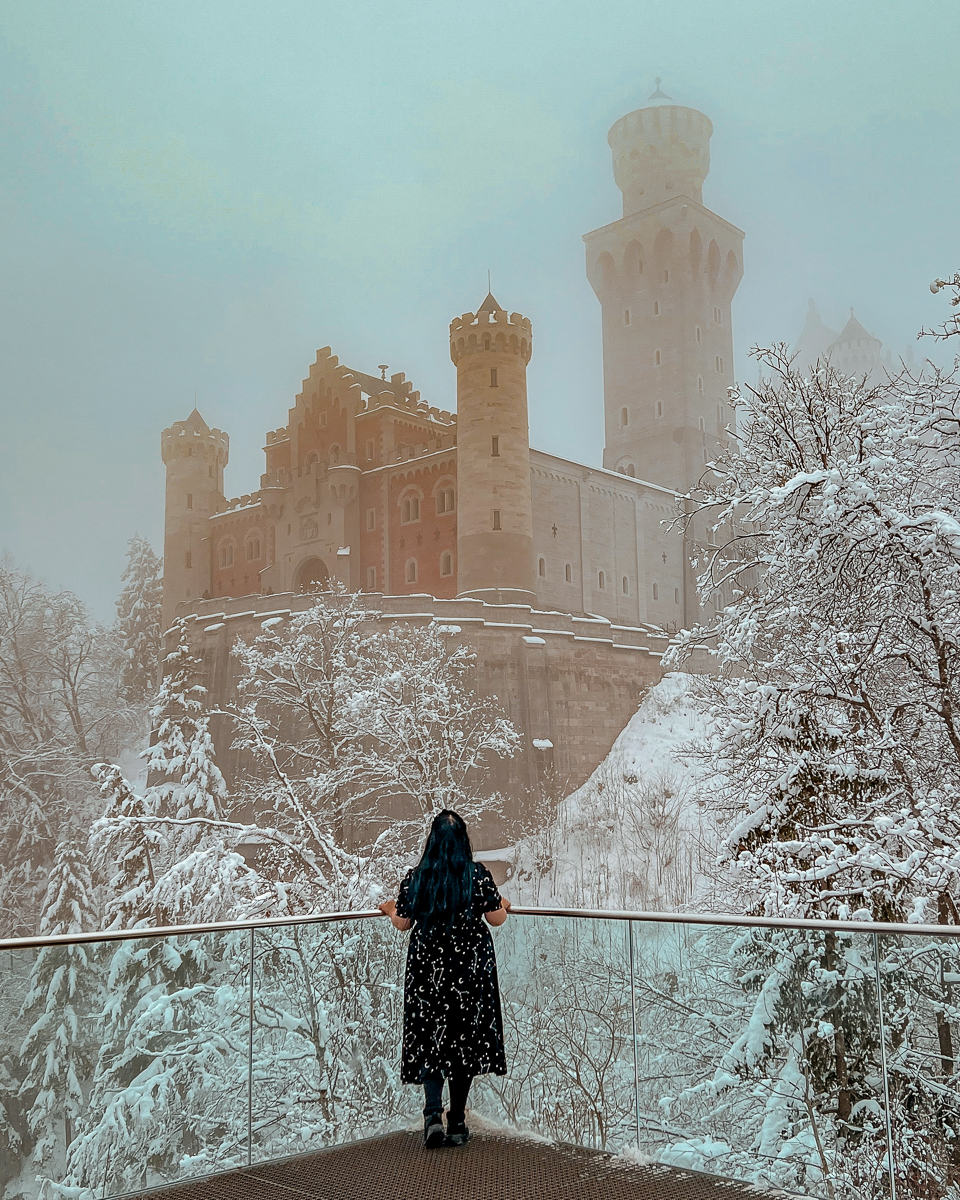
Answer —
817 1056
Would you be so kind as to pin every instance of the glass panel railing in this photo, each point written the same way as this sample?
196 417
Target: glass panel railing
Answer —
123 1065
920 975
567 1012
328 1005
758 1057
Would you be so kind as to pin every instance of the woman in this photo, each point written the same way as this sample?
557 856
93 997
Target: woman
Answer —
452 1026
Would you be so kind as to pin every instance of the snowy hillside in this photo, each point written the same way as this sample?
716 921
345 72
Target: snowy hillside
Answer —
636 834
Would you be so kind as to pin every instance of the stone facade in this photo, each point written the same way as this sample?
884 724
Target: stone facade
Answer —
414 504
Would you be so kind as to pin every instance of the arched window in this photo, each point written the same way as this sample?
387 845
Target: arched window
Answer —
630 470
446 563
445 500
542 567
601 580
253 546
225 554
409 508
410 570
568 572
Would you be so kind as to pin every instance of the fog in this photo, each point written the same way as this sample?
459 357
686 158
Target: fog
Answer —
194 201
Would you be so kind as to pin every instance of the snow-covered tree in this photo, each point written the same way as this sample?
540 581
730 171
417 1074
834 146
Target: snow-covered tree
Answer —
836 713
60 1047
60 711
139 620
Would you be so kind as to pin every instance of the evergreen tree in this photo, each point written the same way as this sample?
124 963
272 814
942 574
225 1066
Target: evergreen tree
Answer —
56 1051
138 619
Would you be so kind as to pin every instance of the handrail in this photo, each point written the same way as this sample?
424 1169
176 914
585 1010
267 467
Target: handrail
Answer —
668 918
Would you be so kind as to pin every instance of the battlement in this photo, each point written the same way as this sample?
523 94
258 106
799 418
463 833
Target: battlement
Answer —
658 153
491 329
249 500
194 438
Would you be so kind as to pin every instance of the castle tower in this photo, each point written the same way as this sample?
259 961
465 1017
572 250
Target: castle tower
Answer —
494 505
194 456
665 275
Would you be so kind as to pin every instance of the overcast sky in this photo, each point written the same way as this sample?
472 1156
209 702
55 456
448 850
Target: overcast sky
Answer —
195 197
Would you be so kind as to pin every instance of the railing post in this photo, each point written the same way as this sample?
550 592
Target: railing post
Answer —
633 1024
883 1067
253 934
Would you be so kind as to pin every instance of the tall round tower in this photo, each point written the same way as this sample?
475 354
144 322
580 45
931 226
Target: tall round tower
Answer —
194 456
665 275
494 504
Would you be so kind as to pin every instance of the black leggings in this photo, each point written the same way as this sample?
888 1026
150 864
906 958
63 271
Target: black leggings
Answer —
433 1095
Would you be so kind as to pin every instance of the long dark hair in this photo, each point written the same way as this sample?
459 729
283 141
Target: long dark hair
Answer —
441 883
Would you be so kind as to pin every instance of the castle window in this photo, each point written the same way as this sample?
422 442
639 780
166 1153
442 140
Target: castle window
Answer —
329 518
494 446
210 472
371 577
676 595
189 499
624 416
659 408
601 580
699 335
656 592
446 563
311 460
666 276
410 571
630 470
323 420
541 567
370 447
625 586
410 510
656 308
225 555
626 316
702 424
371 518
720 415
717 316
700 384
656 357
496 518
568 572
486 341
188 560
493 377
253 547
334 453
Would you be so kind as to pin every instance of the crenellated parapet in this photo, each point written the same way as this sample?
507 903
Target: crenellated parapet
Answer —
193 438
491 329
658 153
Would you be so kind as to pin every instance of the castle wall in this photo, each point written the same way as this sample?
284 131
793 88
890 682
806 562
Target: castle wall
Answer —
571 681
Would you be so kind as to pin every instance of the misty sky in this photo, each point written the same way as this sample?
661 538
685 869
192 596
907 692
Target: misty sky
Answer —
193 198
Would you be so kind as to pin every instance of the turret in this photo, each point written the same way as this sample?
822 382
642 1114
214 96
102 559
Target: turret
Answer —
194 456
494 505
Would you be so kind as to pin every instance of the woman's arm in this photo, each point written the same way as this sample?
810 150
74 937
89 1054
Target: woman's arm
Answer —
389 908
499 915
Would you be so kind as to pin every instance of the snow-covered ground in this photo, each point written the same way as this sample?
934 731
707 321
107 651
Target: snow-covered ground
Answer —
637 833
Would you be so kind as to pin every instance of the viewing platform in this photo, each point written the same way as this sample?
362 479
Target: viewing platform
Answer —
669 1056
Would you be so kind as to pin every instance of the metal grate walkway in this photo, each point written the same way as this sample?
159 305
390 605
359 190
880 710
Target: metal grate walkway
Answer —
492 1166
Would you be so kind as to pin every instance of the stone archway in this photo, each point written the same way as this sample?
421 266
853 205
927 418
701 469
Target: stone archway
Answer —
311 574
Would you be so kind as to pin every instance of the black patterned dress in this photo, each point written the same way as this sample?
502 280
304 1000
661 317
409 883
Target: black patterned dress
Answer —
451 999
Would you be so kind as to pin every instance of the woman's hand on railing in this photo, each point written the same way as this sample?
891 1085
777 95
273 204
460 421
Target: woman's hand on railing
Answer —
388 908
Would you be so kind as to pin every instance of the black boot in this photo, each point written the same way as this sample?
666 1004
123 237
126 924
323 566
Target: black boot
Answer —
457 1132
433 1130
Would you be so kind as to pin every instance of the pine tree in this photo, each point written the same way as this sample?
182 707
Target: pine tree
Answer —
62 994
139 620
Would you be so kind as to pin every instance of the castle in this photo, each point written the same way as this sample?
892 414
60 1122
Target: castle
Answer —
454 514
